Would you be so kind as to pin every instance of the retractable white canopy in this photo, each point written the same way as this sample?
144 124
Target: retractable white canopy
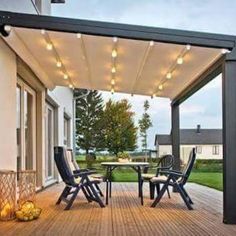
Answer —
140 67
136 60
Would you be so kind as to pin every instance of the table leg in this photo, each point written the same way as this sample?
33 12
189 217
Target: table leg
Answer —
140 190
107 185
110 176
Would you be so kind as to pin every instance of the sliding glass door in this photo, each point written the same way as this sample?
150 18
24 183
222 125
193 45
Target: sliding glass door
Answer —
25 126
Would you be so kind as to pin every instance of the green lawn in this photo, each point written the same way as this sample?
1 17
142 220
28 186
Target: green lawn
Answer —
210 179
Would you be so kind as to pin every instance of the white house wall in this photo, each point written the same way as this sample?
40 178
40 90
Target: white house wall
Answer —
8 107
64 98
185 149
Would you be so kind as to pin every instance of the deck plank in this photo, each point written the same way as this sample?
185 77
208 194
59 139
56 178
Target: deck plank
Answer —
125 215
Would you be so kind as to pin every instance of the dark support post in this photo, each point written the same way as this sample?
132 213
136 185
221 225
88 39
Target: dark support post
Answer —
229 138
175 136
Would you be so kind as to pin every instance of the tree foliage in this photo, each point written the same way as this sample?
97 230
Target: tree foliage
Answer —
89 114
144 124
120 130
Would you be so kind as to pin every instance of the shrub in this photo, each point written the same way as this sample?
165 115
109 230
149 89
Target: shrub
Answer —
209 165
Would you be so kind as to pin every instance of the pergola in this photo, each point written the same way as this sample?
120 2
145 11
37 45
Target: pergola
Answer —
135 60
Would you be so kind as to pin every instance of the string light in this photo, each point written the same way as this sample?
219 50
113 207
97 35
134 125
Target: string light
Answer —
59 64
112 91
65 76
115 39
49 46
70 86
188 47
151 43
160 87
113 70
114 53
180 60
43 31
169 75
78 35
113 82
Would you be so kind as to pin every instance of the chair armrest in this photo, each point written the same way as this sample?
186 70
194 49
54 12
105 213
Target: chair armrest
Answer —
83 173
172 172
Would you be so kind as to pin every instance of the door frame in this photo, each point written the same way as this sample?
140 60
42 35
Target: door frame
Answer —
24 87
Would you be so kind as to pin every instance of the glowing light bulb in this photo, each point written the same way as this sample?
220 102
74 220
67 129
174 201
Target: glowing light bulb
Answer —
59 64
168 75
65 76
115 39
180 60
78 35
153 95
70 86
151 43
113 70
114 53
188 47
42 31
160 87
49 46
112 90
113 82
224 51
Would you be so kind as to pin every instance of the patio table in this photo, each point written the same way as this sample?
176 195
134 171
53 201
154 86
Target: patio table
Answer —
110 166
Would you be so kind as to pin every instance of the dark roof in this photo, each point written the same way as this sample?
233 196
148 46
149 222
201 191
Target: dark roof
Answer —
191 136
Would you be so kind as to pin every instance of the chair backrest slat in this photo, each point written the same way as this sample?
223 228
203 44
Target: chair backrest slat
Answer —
63 165
72 159
188 168
166 162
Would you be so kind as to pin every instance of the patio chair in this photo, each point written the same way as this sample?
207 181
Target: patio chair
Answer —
76 169
177 180
165 163
74 181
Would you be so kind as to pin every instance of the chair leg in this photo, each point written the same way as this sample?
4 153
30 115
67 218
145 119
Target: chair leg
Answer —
74 195
86 194
64 194
99 190
168 192
95 194
158 189
152 190
180 190
186 194
160 195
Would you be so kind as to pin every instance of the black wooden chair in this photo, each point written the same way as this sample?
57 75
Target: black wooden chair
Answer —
164 163
177 180
94 176
74 181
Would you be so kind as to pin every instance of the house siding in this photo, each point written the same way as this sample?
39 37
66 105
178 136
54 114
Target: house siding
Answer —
61 96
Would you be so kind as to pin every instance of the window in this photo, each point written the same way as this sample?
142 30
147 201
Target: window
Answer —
199 149
66 131
215 150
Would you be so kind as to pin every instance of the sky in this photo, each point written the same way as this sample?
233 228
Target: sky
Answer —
214 16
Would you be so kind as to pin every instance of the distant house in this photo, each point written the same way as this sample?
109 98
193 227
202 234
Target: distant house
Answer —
208 143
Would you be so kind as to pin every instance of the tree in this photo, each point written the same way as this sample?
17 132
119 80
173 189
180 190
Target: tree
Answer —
144 124
89 113
120 130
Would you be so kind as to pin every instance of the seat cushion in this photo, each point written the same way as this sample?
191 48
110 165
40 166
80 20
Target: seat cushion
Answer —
160 178
147 176
97 176
94 180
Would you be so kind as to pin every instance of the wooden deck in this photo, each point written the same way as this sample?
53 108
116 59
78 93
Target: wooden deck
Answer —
125 215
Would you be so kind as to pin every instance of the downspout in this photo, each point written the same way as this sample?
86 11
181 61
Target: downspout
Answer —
74 119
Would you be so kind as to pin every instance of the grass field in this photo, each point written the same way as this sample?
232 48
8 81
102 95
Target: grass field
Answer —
205 174
210 179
